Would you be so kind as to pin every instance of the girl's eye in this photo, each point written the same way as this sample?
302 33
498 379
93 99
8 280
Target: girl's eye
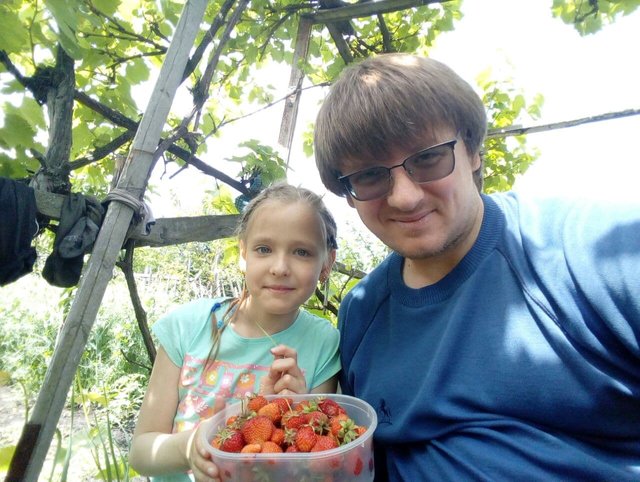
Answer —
302 252
262 250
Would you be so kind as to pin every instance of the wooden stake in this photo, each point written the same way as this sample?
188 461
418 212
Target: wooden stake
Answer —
38 433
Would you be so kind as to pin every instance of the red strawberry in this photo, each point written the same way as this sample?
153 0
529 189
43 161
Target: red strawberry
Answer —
324 442
273 411
330 408
353 464
285 403
277 436
293 420
305 438
326 464
231 441
215 442
251 449
257 429
256 402
271 448
318 420
340 425
305 406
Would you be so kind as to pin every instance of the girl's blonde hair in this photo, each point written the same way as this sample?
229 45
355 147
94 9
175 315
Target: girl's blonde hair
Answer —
283 192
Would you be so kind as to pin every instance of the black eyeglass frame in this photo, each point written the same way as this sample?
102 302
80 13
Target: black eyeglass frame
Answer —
345 181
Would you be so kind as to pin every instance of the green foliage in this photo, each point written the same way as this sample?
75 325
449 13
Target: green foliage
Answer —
410 30
110 460
590 16
260 158
506 158
118 46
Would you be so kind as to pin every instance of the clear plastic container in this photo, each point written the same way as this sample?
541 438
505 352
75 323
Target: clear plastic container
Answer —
352 462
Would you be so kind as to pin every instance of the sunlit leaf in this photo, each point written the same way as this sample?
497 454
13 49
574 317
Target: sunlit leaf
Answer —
21 131
14 35
65 14
6 454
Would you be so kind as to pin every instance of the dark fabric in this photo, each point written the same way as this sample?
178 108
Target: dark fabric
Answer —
80 222
18 226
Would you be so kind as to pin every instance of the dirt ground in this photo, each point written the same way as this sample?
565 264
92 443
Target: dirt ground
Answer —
12 416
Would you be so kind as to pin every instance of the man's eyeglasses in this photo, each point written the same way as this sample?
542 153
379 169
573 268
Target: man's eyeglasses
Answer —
430 164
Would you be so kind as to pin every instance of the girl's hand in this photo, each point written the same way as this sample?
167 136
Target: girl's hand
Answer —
204 470
285 376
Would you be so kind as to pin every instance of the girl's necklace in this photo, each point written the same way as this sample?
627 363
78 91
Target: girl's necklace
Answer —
266 334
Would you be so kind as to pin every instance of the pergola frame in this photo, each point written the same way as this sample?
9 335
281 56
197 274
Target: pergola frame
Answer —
38 432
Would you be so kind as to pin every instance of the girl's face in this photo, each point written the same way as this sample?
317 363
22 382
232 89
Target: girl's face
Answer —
284 252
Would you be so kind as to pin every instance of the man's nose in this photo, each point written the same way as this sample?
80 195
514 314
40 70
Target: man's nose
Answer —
405 193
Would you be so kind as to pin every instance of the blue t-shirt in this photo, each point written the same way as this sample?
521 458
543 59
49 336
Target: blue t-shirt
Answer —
186 336
523 363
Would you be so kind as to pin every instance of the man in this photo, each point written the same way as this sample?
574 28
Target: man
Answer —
500 339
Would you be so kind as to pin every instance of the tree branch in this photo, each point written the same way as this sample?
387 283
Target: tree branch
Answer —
201 89
114 24
387 45
123 121
103 151
12 69
218 21
105 111
126 265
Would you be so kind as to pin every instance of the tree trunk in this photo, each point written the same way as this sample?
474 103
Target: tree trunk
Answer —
53 176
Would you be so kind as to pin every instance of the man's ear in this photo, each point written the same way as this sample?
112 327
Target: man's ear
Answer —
476 162
350 201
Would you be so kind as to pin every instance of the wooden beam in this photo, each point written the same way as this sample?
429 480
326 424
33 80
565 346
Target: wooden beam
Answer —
341 43
165 232
519 130
288 124
37 434
169 231
366 9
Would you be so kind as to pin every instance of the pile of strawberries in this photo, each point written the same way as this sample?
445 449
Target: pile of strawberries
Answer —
282 425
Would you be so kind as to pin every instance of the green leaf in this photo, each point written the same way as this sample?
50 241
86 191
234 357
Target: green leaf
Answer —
32 112
6 454
21 132
108 7
14 36
137 71
15 168
65 14
518 103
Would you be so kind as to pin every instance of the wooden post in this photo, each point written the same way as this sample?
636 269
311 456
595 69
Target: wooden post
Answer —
288 124
303 37
37 434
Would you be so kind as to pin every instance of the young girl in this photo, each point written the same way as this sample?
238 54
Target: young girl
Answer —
287 243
